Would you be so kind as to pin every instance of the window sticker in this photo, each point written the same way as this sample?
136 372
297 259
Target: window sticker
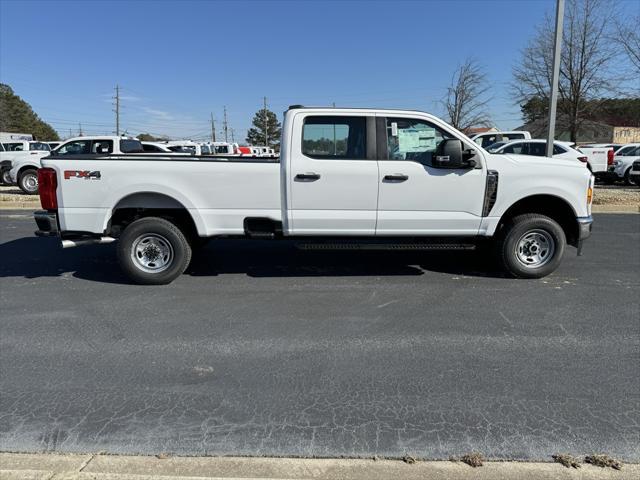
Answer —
416 140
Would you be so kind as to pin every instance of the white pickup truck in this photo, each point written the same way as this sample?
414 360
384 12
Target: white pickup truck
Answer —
20 162
349 178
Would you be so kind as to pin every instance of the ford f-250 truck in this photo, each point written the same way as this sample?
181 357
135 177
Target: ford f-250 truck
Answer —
349 178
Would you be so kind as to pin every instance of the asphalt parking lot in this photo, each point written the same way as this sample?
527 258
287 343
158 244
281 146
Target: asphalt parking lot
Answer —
261 349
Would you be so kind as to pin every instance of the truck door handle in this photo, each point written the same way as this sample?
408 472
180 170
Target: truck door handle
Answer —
396 177
308 177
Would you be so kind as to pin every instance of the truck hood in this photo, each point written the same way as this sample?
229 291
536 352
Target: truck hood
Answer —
497 159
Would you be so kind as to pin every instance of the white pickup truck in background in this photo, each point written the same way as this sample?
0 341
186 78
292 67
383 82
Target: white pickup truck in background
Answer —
21 160
351 178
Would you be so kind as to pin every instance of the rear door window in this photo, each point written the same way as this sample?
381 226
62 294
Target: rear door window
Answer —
334 137
39 146
537 149
516 148
102 146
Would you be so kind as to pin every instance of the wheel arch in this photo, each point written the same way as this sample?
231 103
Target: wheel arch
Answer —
549 205
150 204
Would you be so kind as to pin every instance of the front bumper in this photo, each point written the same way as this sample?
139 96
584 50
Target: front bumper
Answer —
47 223
585 225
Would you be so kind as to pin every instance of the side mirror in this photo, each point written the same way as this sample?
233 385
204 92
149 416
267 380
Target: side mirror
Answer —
449 154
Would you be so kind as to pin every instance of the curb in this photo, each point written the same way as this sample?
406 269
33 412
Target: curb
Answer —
615 209
16 466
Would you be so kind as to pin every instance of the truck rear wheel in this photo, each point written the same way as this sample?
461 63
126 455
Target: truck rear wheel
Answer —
153 251
531 246
28 181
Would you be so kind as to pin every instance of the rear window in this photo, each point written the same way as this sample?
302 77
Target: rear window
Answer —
336 137
39 146
131 146
223 149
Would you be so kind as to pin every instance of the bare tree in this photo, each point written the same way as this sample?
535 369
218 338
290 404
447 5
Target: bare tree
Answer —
627 36
466 100
584 65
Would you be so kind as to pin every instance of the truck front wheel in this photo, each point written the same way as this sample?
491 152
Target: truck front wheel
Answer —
531 246
153 251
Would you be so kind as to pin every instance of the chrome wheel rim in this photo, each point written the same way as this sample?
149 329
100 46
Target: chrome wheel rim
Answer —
30 182
535 248
6 178
152 253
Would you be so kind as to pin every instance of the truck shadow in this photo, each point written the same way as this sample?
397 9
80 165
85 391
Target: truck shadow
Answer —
41 257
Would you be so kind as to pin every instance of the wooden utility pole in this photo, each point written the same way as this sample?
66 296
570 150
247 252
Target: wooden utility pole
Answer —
266 124
117 110
213 129
225 126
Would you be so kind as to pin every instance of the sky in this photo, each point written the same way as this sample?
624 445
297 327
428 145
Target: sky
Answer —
178 62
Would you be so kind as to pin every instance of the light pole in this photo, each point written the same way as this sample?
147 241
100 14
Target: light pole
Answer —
553 100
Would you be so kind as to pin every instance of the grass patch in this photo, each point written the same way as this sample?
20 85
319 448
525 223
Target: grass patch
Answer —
567 460
601 460
473 459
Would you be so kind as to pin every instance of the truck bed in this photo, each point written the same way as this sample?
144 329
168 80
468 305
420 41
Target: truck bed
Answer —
219 192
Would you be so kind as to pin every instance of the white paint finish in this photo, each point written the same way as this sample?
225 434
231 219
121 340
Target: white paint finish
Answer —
335 222
342 201
432 200
522 176
238 189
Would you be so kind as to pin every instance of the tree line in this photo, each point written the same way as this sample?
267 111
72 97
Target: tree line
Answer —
600 50
16 115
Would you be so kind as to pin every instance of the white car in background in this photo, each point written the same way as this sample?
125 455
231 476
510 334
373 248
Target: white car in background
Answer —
489 138
538 148
623 163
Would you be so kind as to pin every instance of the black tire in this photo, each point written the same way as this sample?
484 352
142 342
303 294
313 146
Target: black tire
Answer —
5 178
627 180
171 250
544 235
26 181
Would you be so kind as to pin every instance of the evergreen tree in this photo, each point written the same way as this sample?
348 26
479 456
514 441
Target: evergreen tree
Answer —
256 134
16 115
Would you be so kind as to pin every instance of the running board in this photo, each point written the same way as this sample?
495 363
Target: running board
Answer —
386 246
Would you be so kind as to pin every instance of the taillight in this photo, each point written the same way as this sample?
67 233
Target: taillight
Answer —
610 157
583 159
47 185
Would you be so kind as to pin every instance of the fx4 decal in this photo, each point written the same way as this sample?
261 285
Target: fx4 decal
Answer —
86 174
